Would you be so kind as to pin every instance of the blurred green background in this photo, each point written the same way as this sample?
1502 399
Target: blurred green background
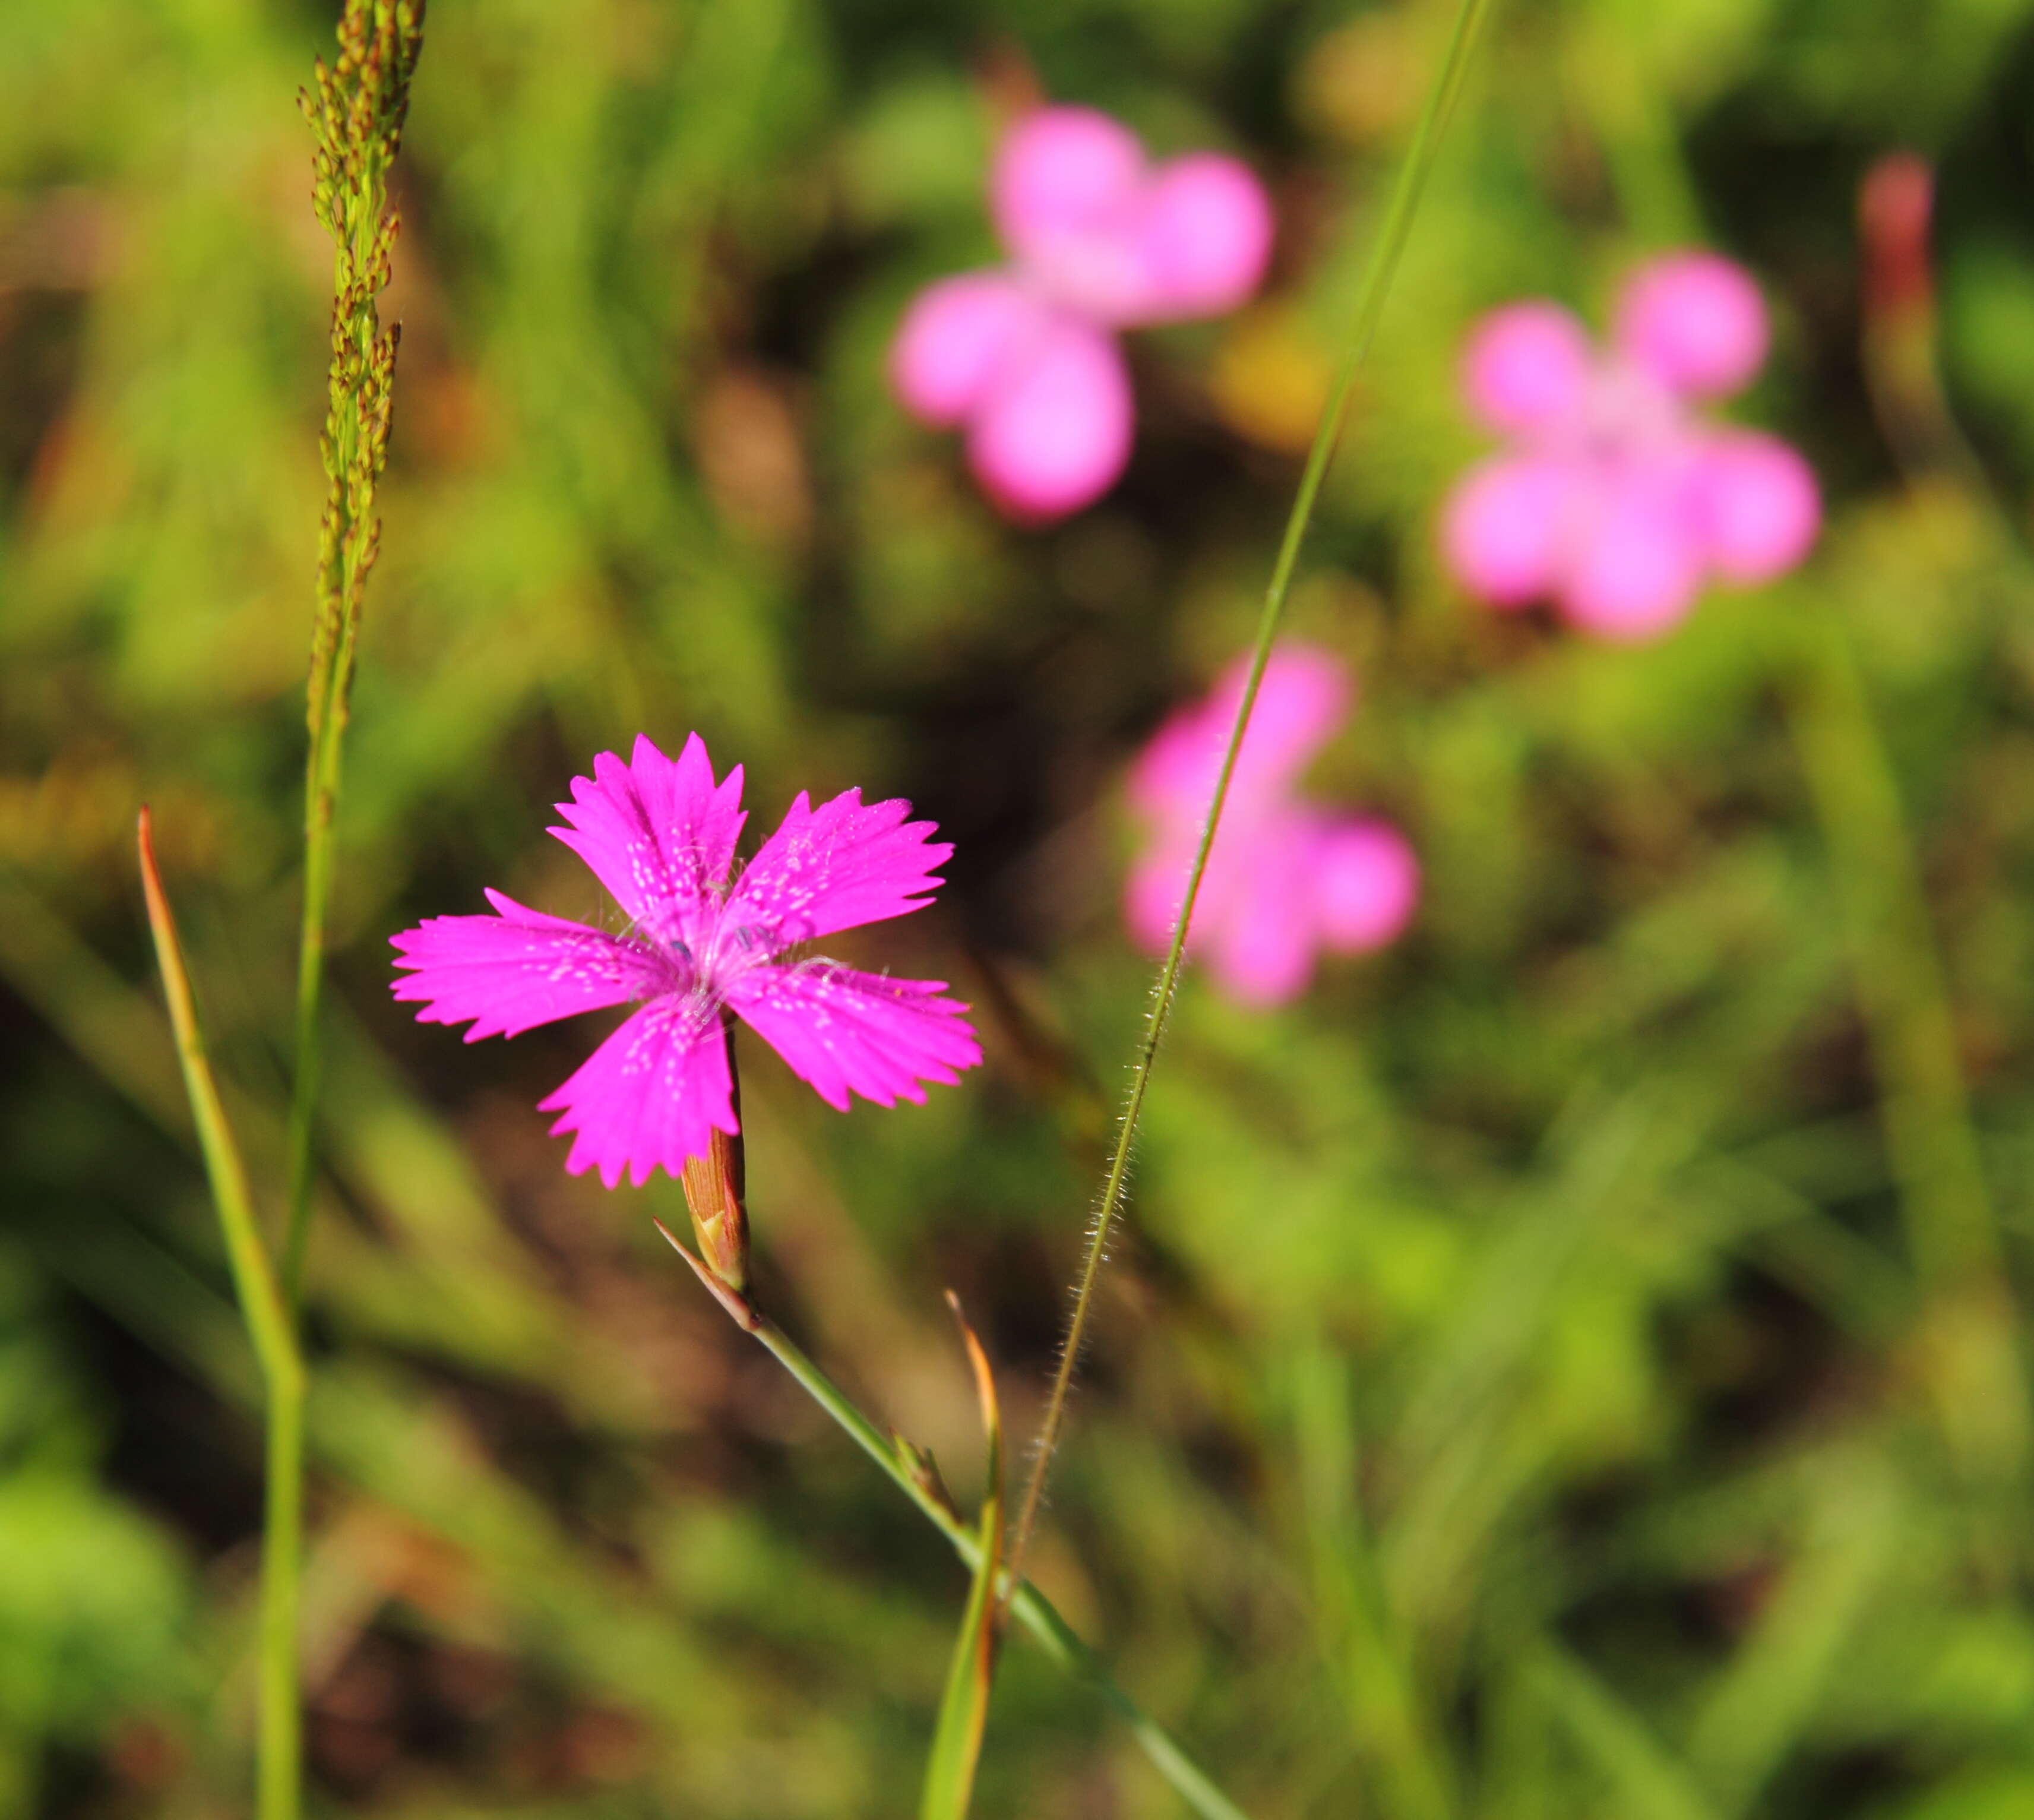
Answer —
1563 1366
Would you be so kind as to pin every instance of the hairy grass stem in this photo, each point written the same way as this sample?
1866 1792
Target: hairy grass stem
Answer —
1383 265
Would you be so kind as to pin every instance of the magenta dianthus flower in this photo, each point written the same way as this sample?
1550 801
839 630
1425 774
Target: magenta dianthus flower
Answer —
660 835
1025 357
1615 500
1285 878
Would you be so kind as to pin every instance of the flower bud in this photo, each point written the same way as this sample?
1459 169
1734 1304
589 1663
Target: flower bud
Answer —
714 1187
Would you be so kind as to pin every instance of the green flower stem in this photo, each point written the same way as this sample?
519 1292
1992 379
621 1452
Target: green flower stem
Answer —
272 1332
1383 265
1024 1601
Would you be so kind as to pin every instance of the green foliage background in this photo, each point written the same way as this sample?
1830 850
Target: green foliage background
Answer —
1531 1383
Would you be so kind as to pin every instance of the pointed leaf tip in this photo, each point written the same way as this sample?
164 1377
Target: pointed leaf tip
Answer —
739 1308
964 1707
269 1324
985 1389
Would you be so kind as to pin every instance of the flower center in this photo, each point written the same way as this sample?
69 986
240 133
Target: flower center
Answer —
719 949
1626 413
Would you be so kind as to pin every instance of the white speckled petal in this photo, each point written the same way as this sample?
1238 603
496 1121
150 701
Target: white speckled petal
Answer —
844 863
651 1095
659 832
843 1031
518 969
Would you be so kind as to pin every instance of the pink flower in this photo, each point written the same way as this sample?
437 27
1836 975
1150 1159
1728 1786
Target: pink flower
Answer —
660 836
1615 500
1285 878
1024 358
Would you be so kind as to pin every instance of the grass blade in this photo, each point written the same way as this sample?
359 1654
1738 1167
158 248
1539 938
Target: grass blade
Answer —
1755 1716
268 1325
1648 1781
274 1337
964 1708
1971 1352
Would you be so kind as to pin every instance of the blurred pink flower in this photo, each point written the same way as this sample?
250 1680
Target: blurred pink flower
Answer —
1025 357
1285 878
1615 499
660 835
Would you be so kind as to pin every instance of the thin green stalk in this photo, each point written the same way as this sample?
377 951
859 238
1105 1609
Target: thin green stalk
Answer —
1972 1357
1383 265
272 1333
356 116
279 1768
911 1473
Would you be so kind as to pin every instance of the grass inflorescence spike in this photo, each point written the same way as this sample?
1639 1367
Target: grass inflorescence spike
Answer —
356 108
